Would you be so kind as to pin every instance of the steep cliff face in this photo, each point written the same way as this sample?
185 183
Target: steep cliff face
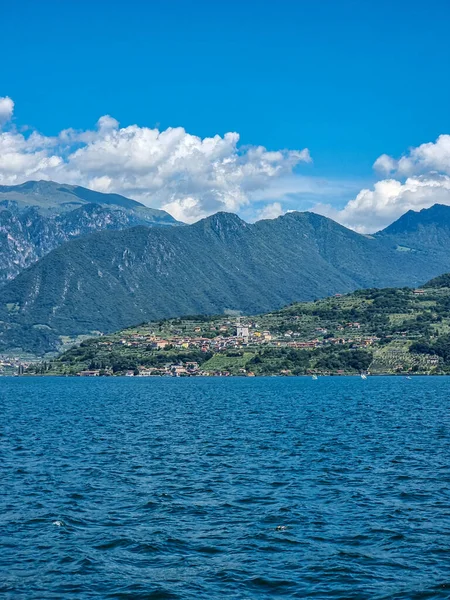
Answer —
37 217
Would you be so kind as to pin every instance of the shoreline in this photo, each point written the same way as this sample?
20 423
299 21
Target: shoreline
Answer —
318 375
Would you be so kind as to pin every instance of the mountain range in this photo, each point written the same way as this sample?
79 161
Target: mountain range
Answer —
114 279
38 216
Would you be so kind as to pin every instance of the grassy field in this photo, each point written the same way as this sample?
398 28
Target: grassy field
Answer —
223 362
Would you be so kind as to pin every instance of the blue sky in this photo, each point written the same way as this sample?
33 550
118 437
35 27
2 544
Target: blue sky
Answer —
348 80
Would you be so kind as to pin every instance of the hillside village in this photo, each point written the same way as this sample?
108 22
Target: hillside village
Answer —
118 277
16 363
376 331
244 337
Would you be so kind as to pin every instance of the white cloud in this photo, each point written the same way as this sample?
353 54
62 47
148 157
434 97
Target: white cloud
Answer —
186 175
374 209
432 156
416 180
385 164
6 110
192 177
271 211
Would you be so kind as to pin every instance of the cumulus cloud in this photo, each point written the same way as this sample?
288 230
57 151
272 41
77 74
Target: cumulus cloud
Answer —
6 110
416 180
432 156
374 209
192 177
385 164
271 211
188 176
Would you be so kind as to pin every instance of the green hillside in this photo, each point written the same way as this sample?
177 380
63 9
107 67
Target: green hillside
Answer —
50 198
112 279
38 216
377 330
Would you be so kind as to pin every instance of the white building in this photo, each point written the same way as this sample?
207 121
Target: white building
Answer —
242 331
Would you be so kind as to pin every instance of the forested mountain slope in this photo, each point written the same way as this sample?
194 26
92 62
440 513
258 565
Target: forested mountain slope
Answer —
114 279
38 216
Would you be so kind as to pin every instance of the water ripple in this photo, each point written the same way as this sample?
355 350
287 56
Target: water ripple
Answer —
233 488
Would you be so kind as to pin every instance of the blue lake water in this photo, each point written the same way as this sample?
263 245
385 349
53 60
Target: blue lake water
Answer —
225 488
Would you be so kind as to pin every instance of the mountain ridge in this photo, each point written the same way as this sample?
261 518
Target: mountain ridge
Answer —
423 232
57 197
411 220
113 279
36 217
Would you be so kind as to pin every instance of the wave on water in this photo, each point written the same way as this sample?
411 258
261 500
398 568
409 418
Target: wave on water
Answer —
232 488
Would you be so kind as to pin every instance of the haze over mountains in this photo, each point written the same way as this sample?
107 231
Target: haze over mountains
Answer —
38 216
112 279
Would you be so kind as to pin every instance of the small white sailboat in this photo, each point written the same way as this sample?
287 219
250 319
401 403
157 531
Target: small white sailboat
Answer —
314 377
363 376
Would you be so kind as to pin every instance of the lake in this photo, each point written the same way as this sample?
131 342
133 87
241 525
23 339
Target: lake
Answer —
225 488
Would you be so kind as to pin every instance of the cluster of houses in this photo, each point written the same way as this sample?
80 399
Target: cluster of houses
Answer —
188 369
14 365
206 344
244 336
